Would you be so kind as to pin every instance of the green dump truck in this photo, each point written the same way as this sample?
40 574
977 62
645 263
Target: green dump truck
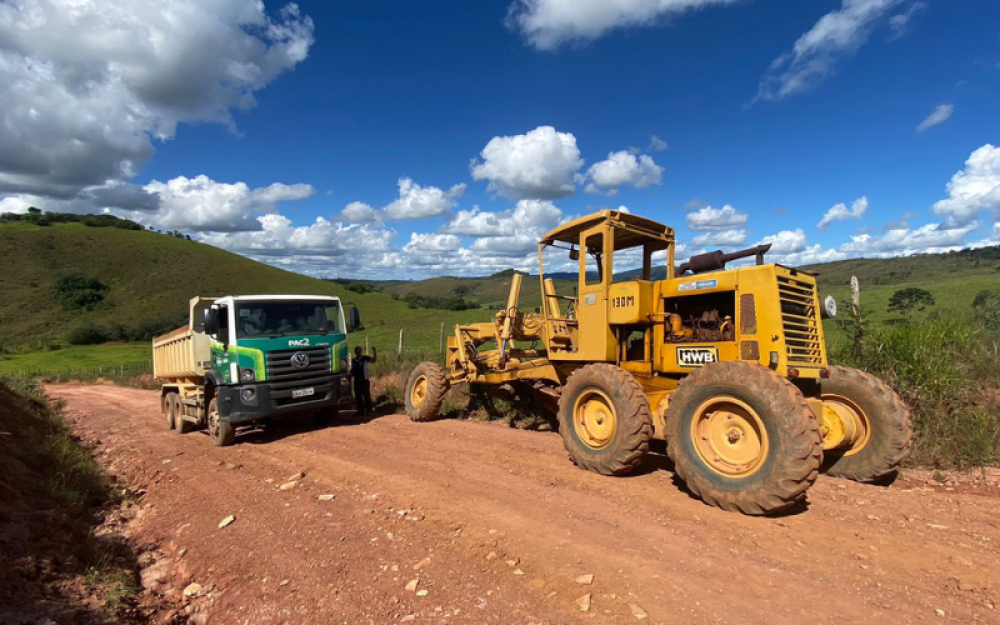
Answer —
246 359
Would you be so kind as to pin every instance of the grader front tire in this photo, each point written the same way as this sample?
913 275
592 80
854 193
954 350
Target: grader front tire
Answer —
885 428
742 438
425 391
604 420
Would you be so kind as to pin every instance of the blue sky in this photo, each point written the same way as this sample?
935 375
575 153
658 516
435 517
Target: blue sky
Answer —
458 132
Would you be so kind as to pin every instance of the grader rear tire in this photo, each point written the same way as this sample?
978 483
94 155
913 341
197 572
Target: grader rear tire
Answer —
604 420
425 391
885 428
742 438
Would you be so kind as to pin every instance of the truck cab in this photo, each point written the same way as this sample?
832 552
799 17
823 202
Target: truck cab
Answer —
272 355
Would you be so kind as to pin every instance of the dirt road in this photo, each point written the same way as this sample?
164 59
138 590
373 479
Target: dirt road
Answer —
497 525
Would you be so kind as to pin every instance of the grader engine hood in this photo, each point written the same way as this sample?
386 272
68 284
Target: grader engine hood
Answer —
768 314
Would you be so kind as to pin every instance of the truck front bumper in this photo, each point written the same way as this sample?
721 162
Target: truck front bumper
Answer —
261 400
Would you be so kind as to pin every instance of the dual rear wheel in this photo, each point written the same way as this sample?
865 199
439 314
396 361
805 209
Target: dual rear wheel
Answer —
222 433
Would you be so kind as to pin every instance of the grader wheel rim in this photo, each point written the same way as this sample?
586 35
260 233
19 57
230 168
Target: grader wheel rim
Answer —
847 408
418 394
595 419
729 437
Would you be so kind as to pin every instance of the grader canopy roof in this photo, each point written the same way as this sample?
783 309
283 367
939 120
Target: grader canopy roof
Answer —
629 230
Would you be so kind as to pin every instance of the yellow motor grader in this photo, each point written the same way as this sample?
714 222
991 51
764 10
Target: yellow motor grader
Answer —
728 366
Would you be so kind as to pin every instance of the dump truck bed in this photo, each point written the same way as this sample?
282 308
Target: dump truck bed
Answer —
181 353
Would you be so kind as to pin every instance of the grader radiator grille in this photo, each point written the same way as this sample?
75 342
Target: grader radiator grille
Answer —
800 320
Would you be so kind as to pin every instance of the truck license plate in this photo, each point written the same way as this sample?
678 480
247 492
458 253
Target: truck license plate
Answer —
303 392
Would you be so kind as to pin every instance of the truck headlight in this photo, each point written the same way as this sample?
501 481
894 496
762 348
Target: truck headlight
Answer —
829 307
248 394
343 364
248 375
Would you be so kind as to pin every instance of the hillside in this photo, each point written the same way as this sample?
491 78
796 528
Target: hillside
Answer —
150 275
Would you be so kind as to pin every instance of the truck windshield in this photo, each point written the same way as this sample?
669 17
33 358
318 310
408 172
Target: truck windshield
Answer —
261 319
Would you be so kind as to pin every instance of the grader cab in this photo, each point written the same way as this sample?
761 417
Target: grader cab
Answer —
728 366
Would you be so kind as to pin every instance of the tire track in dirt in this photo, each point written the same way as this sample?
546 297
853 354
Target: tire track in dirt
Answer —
855 553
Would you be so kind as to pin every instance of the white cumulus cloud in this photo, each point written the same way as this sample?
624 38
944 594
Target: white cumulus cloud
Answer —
202 204
537 165
708 218
725 238
88 84
939 116
511 232
624 168
277 241
359 213
421 243
786 242
974 189
547 24
929 238
840 211
815 54
416 202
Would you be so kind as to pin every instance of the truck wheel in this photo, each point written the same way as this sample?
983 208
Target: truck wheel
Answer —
223 433
743 438
425 391
884 428
326 416
183 425
604 420
168 409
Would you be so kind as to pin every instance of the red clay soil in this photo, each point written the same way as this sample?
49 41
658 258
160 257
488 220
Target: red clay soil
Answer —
496 525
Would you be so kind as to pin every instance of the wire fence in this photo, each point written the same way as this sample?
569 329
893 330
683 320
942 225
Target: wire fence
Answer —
110 371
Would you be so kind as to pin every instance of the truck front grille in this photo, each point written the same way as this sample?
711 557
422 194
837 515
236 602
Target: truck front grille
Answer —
280 369
800 321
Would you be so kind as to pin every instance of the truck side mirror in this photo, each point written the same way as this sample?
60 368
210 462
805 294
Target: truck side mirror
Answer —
354 319
212 321
574 254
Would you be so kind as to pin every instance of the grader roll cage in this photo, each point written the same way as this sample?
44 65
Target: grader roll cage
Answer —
728 366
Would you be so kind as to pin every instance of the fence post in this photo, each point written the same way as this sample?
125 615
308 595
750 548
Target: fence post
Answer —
441 341
401 343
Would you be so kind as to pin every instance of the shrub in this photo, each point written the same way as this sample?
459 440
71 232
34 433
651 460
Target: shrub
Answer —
947 368
87 334
77 292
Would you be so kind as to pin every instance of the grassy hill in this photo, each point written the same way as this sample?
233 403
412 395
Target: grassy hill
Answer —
953 279
151 274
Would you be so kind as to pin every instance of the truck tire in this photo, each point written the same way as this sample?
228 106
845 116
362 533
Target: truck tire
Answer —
743 438
223 433
167 408
604 419
425 390
885 427
183 425
326 416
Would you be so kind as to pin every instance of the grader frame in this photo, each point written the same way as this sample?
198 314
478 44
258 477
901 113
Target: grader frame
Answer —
729 366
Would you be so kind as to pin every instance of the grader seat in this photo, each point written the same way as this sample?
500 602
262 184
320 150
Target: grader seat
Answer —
561 330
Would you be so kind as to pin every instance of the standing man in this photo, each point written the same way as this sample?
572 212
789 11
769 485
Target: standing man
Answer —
362 380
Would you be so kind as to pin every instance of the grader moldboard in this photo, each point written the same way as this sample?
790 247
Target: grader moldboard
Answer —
728 366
